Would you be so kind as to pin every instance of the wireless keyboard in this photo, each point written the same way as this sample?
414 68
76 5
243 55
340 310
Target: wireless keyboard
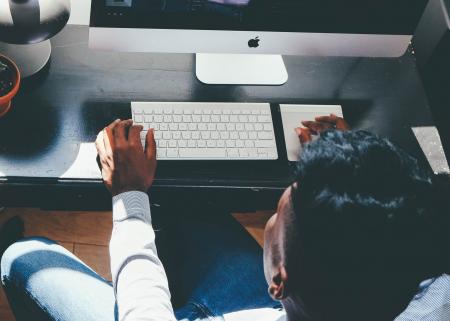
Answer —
208 131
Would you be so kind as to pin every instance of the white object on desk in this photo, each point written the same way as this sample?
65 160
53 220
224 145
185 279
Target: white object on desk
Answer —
292 117
208 131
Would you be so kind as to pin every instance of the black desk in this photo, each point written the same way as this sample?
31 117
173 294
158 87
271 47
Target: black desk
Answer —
62 109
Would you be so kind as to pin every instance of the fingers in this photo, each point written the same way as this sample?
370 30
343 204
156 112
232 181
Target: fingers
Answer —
100 145
108 138
304 135
150 145
317 127
331 119
338 122
341 124
121 131
134 136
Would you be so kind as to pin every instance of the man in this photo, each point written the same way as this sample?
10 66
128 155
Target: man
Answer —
361 234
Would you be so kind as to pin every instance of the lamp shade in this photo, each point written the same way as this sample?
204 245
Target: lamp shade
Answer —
32 21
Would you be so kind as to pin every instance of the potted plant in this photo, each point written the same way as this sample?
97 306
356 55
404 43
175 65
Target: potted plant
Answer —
9 83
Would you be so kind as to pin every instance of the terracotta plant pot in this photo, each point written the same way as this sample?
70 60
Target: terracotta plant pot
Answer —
5 100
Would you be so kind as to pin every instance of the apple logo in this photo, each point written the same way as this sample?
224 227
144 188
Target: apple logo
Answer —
253 43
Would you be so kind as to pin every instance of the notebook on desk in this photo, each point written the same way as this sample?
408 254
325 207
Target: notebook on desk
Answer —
292 117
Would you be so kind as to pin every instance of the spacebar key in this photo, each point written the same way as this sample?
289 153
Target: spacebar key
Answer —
202 153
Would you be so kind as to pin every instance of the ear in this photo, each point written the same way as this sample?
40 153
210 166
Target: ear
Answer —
278 285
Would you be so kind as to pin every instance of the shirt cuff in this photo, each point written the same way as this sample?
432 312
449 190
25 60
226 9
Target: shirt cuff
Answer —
131 205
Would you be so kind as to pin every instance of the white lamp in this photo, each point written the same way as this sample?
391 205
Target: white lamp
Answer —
26 26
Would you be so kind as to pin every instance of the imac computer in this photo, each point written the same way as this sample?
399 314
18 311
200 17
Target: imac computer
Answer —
241 41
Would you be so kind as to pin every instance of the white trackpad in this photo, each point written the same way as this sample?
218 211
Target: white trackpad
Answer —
292 117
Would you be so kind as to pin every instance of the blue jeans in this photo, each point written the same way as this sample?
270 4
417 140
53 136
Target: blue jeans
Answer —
213 265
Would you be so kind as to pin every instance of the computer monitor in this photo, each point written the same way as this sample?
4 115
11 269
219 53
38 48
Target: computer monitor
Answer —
240 41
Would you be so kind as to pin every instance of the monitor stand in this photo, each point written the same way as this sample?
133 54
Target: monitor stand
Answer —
240 69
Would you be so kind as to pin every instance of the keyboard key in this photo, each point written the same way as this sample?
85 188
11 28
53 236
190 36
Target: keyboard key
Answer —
264 143
161 152
243 118
265 135
202 152
138 110
249 127
264 119
172 152
243 135
233 152
243 152
234 135
230 143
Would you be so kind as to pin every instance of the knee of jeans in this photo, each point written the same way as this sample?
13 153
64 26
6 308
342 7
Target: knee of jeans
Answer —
17 256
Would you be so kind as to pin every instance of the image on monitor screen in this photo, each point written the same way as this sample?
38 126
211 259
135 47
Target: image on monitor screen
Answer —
326 16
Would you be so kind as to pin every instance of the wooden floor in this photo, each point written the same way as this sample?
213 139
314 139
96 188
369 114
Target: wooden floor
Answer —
87 234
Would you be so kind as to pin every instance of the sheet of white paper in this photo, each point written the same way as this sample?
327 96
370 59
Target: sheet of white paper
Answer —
293 115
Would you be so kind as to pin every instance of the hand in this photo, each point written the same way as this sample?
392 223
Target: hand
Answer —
125 165
320 125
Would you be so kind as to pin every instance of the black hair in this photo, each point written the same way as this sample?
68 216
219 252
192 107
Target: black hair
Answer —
368 225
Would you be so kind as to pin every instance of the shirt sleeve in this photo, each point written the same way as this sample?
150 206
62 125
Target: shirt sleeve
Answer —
139 280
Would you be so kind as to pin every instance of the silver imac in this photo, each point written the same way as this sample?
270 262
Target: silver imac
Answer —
241 41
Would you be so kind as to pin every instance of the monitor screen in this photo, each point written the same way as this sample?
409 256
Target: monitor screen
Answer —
322 16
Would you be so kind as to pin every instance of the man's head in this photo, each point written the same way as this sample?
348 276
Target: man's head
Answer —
356 232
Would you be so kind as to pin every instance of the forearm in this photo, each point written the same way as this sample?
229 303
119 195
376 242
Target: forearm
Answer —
139 279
